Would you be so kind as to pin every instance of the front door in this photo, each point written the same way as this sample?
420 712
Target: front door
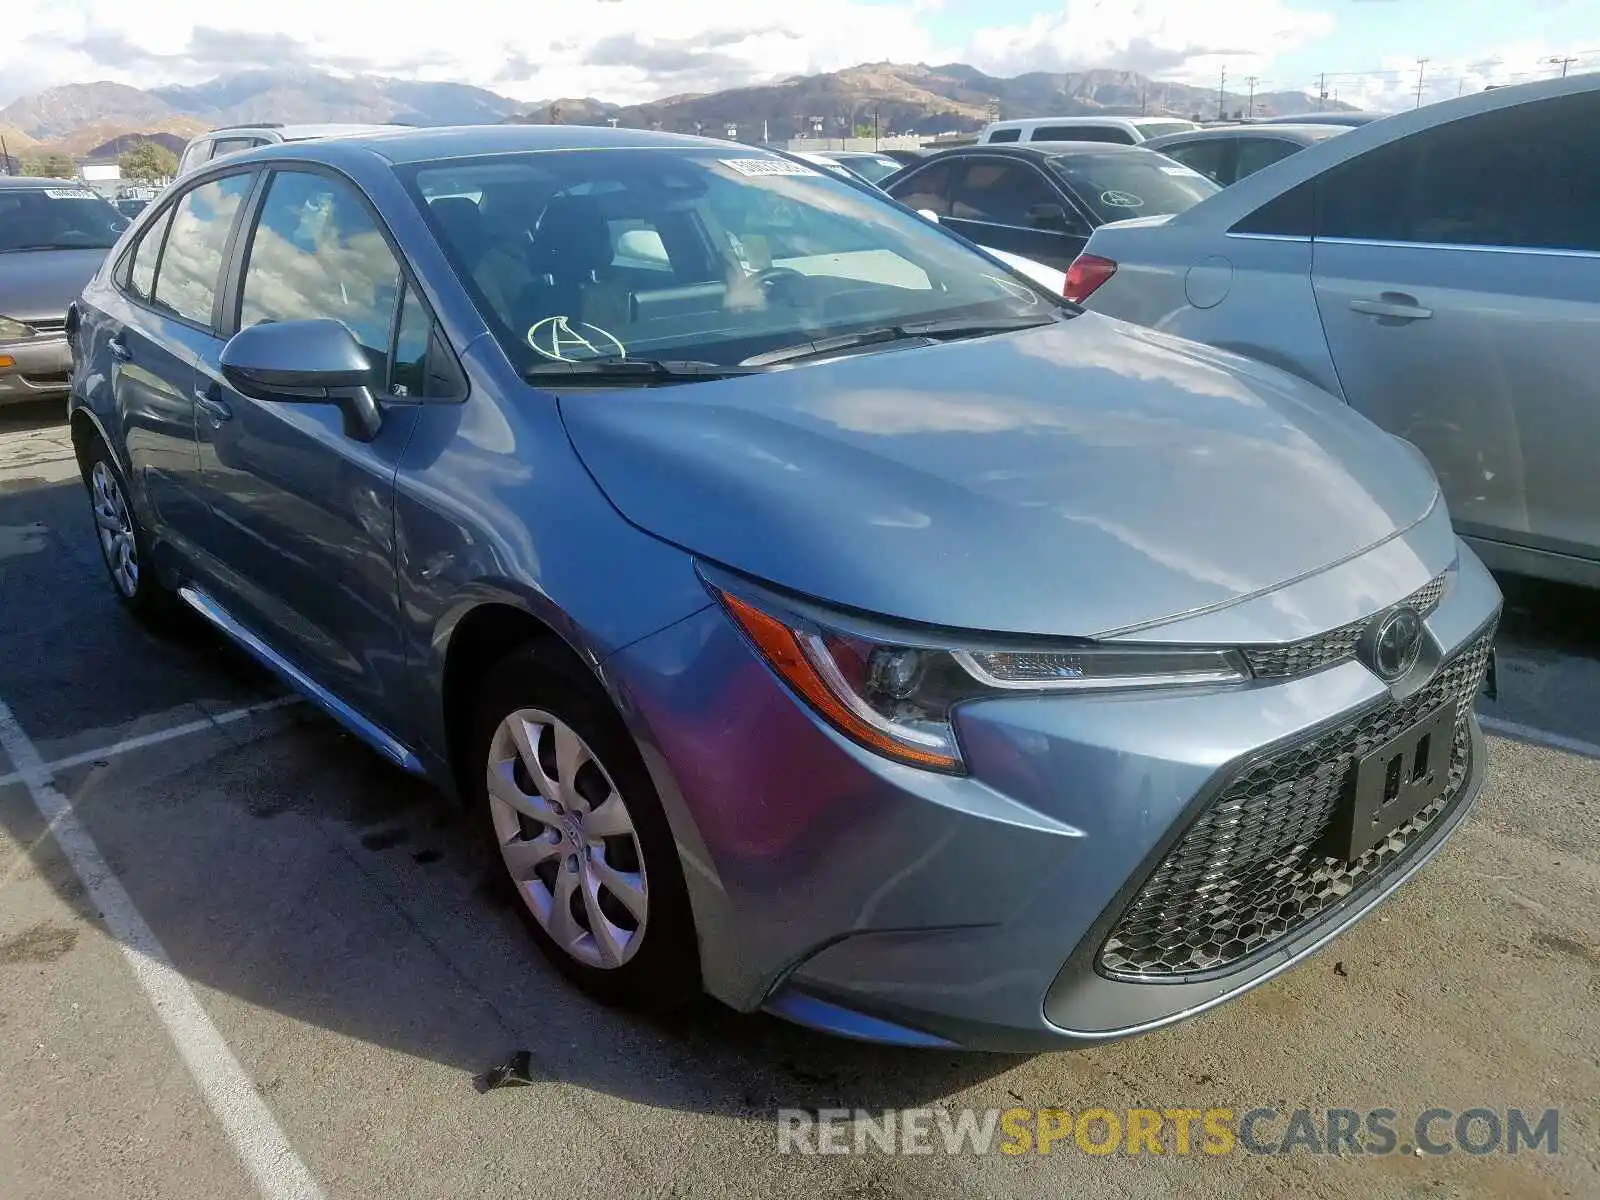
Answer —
302 527
1007 204
1457 274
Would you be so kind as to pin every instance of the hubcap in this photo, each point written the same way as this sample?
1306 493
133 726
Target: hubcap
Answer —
115 527
567 838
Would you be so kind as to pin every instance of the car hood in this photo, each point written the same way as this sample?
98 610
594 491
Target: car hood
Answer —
37 285
1082 478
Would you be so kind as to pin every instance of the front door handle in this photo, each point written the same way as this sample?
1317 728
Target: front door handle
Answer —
209 401
1397 306
119 348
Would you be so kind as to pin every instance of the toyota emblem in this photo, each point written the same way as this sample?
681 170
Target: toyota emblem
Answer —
1395 641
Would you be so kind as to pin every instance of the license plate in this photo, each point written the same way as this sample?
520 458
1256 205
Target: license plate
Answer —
1395 782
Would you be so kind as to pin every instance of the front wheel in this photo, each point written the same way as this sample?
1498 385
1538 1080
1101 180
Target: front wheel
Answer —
579 834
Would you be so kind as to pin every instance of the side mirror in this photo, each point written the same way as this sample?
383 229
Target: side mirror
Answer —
306 361
927 214
1052 217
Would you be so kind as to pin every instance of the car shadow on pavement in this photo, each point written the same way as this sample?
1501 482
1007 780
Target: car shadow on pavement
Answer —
291 873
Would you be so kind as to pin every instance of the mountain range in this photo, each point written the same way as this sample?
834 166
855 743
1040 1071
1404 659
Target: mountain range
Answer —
87 118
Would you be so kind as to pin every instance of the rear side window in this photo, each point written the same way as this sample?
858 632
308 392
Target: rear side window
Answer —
1258 152
191 264
1001 192
1208 156
1082 133
1523 177
1290 214
317 253
223 147
1005 135
142 278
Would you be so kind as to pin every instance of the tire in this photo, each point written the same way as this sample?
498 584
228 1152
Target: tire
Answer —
562 839
124 545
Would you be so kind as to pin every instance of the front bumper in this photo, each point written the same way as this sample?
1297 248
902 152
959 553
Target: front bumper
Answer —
886 903
41 369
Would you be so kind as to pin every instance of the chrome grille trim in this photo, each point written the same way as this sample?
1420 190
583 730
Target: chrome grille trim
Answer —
1336 646
1251 869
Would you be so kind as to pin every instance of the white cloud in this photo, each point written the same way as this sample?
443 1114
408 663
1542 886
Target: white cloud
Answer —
1181 42
1392 85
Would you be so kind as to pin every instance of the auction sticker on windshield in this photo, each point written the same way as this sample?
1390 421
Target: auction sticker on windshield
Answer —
767 166
70 194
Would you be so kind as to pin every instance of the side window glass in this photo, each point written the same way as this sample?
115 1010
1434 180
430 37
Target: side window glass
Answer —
1255 153
191 264
316 253
1289 214
223 147
1367 197
1005 135
142 279
929 188
1001 192
409 375
1207 157
1526 176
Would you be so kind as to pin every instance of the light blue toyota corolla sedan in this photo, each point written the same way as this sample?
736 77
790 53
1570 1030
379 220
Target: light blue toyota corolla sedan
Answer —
808 610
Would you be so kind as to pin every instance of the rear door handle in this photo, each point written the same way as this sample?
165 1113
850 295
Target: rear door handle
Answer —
1395 305
209 400
119 348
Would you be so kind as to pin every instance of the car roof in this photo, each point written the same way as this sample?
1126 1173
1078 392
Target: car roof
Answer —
1302 133
1080 119
299 133
34 182
1238 201
1033 149
403 145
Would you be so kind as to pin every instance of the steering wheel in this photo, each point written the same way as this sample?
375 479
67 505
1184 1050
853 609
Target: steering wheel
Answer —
777 280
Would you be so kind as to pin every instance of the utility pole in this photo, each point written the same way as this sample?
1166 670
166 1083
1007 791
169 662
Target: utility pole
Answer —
1422 66
5 157
1250 108
1557 60
1322 90
1144 95
1221 86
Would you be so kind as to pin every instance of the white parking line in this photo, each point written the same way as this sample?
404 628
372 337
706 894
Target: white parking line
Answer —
157 737
261 1145
1540 737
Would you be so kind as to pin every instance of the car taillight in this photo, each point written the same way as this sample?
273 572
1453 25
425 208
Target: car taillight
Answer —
1087 272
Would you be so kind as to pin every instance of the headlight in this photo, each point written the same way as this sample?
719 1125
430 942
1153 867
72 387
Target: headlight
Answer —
15 331
896 694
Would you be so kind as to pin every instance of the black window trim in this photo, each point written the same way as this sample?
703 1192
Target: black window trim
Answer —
231 295
121 277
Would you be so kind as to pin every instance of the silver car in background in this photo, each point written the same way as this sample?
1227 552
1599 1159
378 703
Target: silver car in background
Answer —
1440 271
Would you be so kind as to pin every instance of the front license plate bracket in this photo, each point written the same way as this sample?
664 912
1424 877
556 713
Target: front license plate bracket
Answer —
1394 783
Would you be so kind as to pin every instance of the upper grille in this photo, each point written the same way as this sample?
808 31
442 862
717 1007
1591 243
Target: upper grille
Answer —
1253 867
1337 645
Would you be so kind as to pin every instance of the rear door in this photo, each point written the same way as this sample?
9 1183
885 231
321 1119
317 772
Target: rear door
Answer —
301 541
1009 204
1457 274
158 324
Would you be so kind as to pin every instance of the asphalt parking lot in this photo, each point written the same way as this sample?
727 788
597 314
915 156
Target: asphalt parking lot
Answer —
241 956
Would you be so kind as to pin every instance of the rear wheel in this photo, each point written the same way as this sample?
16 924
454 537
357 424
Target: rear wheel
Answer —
579 835
123 545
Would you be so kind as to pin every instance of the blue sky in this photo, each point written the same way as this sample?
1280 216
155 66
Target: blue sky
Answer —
631 50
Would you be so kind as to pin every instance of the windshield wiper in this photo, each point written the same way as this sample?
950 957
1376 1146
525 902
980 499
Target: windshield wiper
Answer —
633 370
948 329
55 246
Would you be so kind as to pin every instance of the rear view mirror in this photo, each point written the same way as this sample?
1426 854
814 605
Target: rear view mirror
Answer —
306 361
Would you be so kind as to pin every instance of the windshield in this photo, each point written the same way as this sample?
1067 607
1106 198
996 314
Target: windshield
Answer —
57 218
710 255
1133 183
871 167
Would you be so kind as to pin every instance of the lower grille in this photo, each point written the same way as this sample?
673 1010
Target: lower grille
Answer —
1254 867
